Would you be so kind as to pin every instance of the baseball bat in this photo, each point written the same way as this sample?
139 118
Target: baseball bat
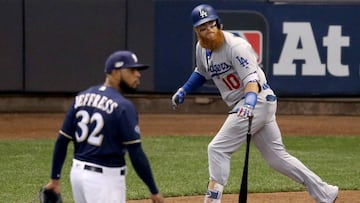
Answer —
244 180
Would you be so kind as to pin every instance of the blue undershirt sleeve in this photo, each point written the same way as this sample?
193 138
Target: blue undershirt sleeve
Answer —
194 82
142 166
59 156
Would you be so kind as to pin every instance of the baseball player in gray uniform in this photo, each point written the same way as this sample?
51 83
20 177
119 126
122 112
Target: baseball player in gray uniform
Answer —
232 65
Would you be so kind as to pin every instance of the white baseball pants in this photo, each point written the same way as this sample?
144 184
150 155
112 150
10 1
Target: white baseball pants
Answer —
92 183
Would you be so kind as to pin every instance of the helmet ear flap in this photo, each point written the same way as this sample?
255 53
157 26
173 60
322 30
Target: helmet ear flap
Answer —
218 23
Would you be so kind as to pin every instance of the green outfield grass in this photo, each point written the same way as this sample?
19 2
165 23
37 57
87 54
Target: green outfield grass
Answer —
180 166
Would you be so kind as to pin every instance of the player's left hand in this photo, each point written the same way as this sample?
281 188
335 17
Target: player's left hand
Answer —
245 111
157 198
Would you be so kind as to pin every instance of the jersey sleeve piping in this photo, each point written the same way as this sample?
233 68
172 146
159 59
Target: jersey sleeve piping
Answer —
65 134
132 142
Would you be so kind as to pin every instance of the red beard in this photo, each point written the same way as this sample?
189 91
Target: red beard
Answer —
212 44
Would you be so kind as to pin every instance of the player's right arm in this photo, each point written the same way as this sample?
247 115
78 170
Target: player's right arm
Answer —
195 81
61 144
59 156
59 153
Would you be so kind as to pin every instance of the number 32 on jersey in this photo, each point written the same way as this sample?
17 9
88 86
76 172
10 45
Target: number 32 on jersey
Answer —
95 138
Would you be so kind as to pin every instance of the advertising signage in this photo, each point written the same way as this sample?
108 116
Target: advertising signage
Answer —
305 50
315 52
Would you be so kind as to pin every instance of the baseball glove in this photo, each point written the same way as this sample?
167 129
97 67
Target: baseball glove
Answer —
49 196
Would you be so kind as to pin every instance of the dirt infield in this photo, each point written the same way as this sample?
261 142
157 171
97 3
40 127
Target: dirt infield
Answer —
19 126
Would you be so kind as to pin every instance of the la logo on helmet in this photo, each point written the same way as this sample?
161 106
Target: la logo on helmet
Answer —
203 14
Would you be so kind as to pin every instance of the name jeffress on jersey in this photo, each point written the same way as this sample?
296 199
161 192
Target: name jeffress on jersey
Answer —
97 101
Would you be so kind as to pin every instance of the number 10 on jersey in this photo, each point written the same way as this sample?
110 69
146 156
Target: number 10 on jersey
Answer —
231 81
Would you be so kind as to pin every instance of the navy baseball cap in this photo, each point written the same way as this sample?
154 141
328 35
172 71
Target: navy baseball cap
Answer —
123 59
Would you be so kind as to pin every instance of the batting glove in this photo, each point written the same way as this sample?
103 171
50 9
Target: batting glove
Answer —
245 111
178 98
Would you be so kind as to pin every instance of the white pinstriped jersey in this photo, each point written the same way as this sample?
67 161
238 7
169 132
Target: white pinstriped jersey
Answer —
230 67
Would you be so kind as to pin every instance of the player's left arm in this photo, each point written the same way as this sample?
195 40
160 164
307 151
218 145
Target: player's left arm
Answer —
142 167
131 139
246 65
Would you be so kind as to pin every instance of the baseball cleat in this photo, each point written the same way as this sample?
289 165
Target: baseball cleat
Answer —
333 193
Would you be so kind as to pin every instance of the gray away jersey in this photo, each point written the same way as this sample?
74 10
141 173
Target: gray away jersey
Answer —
230 67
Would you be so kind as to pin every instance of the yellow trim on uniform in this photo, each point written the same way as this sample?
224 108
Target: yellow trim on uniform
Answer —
132 142
66 135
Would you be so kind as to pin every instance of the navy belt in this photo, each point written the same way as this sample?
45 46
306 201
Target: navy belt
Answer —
93 168
100 170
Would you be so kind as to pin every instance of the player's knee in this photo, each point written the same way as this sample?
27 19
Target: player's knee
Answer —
212 149
215 150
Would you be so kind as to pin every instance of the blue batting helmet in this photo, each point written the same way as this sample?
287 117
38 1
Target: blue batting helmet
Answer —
203 13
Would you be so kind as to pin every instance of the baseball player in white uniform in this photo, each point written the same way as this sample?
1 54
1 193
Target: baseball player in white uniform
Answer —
232 65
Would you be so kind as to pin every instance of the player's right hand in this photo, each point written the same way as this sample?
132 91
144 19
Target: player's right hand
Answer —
178 97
